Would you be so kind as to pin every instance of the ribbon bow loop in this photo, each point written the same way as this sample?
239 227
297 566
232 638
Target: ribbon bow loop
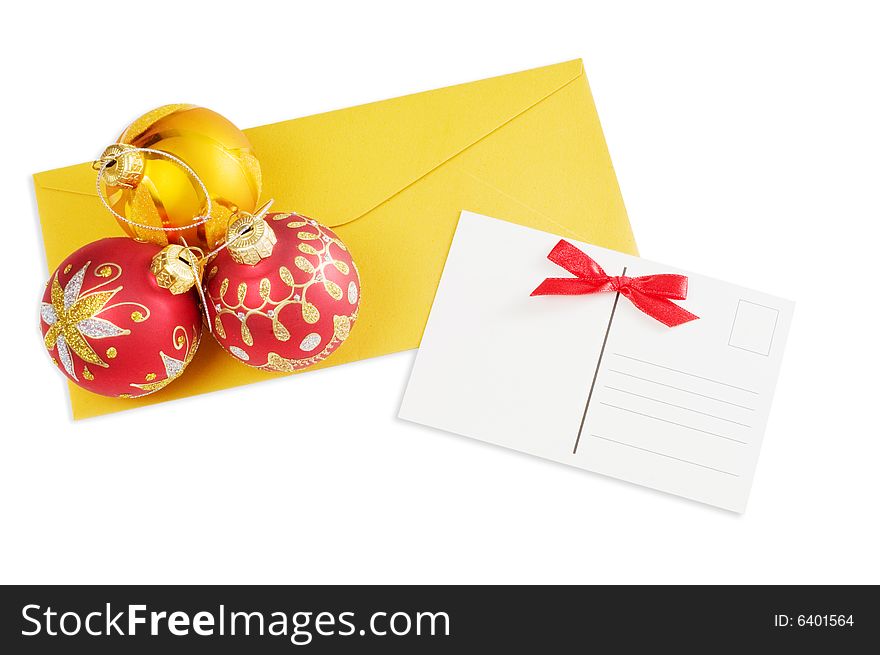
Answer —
652 294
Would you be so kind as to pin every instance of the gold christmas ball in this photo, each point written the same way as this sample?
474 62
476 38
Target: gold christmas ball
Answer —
153 190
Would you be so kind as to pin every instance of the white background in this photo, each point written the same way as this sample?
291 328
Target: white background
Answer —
747 146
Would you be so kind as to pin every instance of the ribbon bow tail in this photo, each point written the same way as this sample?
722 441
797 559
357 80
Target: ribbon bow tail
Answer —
658 307
571 286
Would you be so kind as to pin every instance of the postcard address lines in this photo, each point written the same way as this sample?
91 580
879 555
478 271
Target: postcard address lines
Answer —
729 425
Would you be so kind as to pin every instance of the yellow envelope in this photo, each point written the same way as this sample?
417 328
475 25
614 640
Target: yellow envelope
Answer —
391 178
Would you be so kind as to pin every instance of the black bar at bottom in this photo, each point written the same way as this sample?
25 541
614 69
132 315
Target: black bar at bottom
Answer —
447 619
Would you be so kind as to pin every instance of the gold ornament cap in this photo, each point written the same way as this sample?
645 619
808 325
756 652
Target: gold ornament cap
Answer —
251 240
176 268
123 165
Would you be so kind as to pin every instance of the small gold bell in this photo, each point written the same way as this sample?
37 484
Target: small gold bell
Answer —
250 239
176 268
122 164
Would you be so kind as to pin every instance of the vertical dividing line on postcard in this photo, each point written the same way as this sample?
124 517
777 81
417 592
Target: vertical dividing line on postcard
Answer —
596 372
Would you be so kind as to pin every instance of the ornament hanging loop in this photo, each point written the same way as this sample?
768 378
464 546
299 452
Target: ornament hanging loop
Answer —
177 267
123 165
241 227
254 240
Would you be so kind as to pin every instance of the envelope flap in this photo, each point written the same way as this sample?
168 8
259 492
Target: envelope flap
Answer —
70 213
70 179
381 148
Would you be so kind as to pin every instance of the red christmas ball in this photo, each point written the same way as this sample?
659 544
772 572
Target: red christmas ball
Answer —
289 309
110 327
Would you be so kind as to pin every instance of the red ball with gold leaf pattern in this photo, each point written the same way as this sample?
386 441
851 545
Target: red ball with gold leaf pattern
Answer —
293 307
110 328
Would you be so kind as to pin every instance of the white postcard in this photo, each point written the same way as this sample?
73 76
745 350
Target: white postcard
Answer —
593 380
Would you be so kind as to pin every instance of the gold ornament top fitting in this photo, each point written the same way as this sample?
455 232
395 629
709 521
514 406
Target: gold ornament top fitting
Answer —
177 268
123 165
251 240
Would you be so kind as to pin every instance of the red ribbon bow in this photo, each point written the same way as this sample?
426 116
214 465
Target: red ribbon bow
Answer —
653 294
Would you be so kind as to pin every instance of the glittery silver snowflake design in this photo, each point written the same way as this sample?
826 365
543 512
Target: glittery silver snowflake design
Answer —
73 318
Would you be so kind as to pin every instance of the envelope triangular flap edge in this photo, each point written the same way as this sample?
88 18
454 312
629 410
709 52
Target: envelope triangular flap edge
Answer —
392 143
381 148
